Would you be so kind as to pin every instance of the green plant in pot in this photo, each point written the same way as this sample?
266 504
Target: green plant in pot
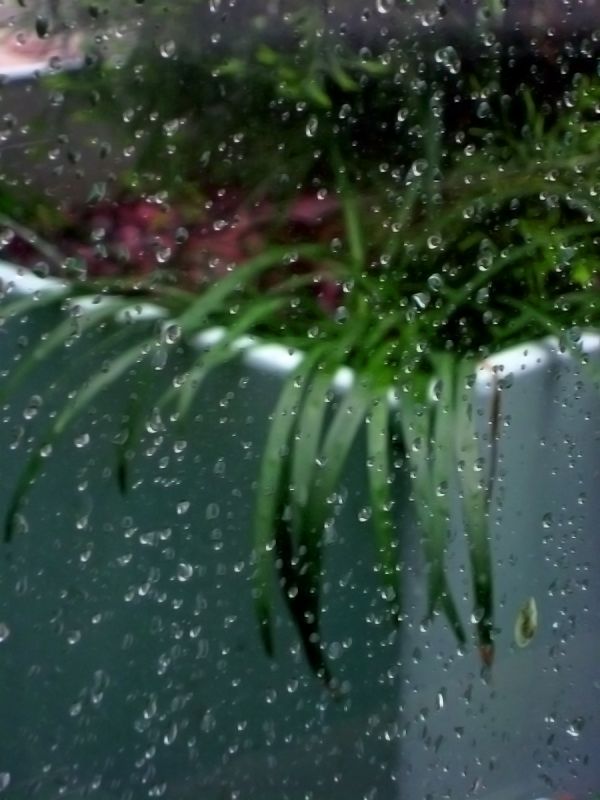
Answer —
453 219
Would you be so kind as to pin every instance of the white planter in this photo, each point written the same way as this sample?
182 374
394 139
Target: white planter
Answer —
118 674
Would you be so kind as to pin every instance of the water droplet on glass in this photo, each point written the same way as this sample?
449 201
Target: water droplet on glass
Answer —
575 727
32 408
334 651
75 709
4 632
73 637
184 572
171 734
42 26
435 282
167 49
311 126
172 334
46 450
421 300
364 515
483 110
4 780
448 57
384 6
440 699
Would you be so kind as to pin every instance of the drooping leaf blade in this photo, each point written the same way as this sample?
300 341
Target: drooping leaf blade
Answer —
14 309
58 337
287 571
71 411
380 477
270 484
336 446
221 352
215 297
309 432
476 492
418 420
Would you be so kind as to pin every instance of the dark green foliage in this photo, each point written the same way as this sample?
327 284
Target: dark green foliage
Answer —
469 221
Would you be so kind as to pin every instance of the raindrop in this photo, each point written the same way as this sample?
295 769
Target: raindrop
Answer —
364 515
384 6
167 49
311 126
435 282
42 26
421 300
448 57
4 632
483 110
75 709
155 423
440 699
575 727
526 623
335 650
172 334
184 572
418 167
163 254
32 407
4 780
171 734
271 696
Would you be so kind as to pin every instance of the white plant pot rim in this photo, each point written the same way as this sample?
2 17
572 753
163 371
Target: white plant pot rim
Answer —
280 360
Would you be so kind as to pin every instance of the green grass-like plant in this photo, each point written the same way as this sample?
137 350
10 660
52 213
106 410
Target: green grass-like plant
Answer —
467 231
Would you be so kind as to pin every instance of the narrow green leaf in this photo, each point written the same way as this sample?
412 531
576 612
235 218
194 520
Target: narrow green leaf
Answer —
61 334
380 477
207 361
336 447
309 432
268 503
307 441
295 600
23 305
476 492
316 92
215 297
352 223
399 235
66 417
132 433
421 422
342 77
223 351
